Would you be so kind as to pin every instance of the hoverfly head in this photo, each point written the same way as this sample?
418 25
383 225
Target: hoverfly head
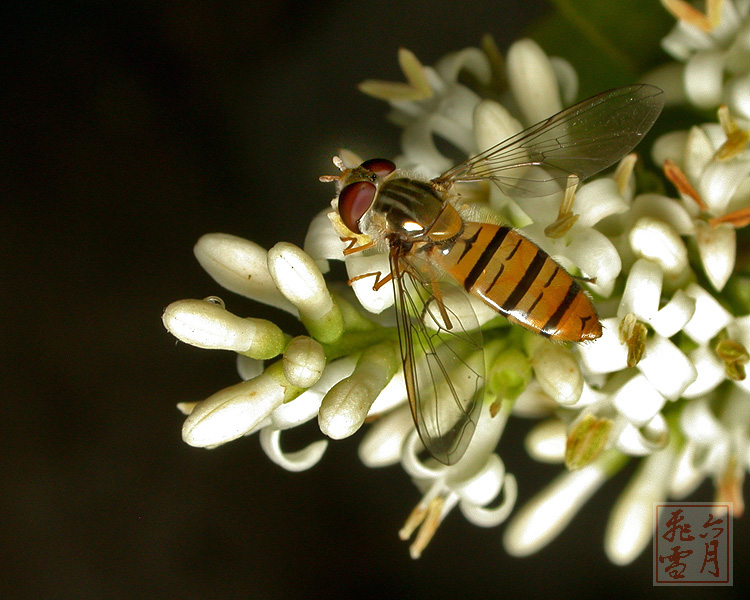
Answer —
358 189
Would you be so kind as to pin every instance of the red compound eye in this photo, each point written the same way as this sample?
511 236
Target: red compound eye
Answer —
380 166
354 200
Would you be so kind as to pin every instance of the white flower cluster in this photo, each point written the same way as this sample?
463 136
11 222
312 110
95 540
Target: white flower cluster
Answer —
665 382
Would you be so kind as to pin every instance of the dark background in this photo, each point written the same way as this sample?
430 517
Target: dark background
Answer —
129 130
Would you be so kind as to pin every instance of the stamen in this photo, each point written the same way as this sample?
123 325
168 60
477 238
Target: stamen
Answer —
427 518
566 218
624 170
729 487
587 441
735 358
737 138
417 88
689 14
680 181
633 335
737 219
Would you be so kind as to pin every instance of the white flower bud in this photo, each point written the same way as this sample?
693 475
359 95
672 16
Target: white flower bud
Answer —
558 374
241 267
208 325
304 361
232 412
345 406
300 280
307 405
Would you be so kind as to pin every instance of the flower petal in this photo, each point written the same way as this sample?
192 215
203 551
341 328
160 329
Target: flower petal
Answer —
630 526
607 353
704 78
710 370
709 317
699 423
666 367
719 181
717 247
642 290
301 460
598 199
491 517
322 242
642 441
674 315
663 209
638 400
375 301
549 512
657 241
382 444
493 124
546 441
485 485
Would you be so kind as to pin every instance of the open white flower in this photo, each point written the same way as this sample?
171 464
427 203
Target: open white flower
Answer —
710 167
713 46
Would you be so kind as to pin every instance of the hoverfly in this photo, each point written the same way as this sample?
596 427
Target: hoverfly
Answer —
429 242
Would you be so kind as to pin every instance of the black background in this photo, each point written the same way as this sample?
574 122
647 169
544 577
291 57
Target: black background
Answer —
129 130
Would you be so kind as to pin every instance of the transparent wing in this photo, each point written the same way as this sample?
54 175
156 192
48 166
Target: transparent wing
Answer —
580 140
441 349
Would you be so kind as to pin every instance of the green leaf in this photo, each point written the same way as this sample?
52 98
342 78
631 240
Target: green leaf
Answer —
609 42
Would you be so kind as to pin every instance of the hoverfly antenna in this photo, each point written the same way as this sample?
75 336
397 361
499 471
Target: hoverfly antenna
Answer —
330 178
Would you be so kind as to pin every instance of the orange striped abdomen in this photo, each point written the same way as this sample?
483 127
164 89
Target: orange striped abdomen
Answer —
519 280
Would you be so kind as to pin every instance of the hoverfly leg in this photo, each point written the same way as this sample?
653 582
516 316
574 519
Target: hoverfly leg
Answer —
379 283
352 247
585 279
441 307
